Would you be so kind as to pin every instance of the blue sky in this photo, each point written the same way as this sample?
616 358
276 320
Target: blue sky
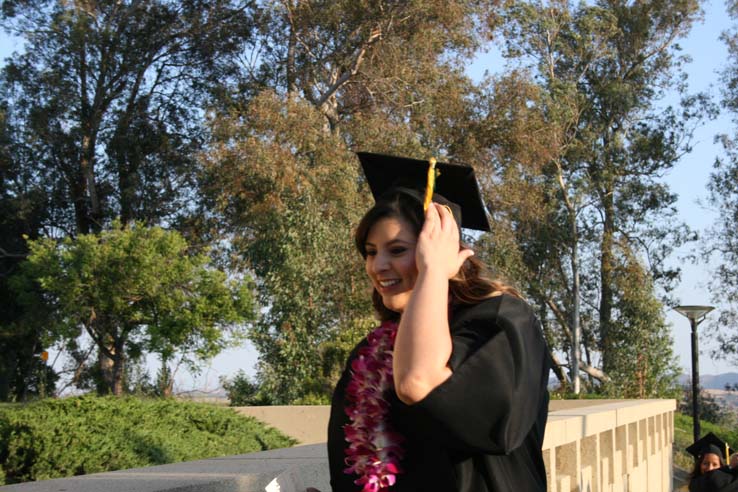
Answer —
688 179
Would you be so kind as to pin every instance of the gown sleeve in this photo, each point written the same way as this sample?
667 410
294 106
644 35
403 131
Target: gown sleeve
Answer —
721 480
500 367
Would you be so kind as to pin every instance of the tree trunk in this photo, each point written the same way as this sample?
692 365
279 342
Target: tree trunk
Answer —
558 371
594 372
78 190
606 278
105 363
575 327
588 357
87 170
290 65
129 162
574 322
127 186
8 367
118 372
165 381
89 216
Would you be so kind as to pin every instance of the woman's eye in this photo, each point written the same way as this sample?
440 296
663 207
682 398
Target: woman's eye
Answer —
370 252
398 251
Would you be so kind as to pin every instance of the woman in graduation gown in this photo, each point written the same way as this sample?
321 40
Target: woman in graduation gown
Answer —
711 474
724 479
449 392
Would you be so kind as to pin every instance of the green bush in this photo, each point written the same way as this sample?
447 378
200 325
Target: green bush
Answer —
76 436
313 398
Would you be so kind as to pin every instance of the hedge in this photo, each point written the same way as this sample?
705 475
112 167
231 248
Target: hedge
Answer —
56 438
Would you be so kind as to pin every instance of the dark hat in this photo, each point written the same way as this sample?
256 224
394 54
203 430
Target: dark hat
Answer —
456 185
710 443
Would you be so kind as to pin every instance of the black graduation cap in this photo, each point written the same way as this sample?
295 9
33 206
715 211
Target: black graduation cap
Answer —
455 183
710 443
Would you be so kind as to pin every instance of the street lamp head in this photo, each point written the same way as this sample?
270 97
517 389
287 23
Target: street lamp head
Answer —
694 313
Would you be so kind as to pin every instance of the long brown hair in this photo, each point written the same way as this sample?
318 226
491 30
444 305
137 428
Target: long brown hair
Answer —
471 285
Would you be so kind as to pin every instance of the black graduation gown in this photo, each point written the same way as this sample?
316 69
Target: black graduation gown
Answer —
723 479
482 429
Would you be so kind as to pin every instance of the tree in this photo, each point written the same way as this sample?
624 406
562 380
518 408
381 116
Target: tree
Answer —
347 58
594 74
722 239
134 290
290 194
105 97
569 147
103 115
643 363
329 79
22 372
241 391
710 409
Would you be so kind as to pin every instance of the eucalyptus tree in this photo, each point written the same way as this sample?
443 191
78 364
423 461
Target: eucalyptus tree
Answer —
327 78
104 108
106 101
721 242
597 74
22 213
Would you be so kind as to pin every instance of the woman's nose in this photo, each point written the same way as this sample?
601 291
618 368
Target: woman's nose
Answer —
381 262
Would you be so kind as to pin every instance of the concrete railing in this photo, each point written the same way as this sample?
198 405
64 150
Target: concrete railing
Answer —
590 446
604 446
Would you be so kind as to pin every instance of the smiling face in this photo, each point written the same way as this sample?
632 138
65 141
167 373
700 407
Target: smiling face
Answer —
390 261
710 461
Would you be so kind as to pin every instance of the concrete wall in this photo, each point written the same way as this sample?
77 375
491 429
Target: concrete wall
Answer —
612 446
306 423
590 446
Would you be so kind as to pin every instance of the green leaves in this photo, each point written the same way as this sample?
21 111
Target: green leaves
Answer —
136 285
107 103
720 246
581 153
289 193
74 436
235 122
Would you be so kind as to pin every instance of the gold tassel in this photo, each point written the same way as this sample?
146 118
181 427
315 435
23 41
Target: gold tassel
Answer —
431 183
727 455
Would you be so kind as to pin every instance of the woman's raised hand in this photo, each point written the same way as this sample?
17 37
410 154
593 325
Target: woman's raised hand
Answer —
438 242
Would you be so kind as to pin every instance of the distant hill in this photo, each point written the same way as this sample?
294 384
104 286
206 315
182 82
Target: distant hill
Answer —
712 381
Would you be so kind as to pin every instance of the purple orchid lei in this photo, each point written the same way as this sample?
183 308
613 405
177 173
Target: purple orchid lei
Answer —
374 451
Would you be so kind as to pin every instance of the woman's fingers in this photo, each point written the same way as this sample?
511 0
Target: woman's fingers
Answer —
447 220
432 220
438 244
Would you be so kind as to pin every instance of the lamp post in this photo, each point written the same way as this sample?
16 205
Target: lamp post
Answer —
695 314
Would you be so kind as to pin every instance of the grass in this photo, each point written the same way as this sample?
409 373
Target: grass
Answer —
683 438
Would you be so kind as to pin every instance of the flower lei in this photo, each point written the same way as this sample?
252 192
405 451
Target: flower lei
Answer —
374 451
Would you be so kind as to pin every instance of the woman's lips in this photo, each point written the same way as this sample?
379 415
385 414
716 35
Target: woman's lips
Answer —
386 285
